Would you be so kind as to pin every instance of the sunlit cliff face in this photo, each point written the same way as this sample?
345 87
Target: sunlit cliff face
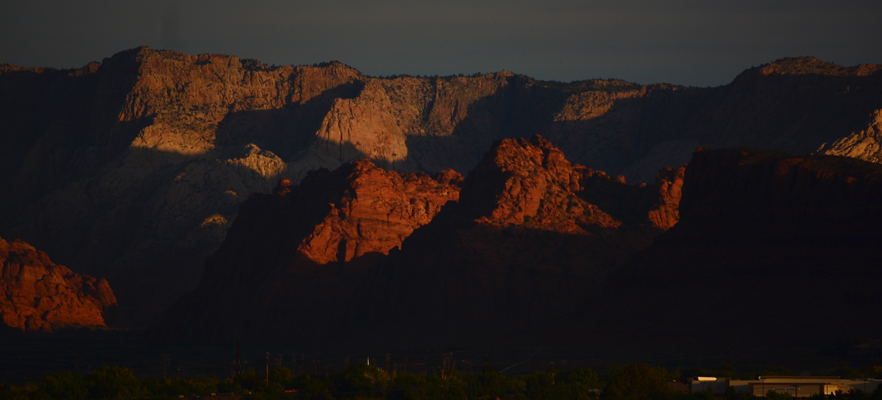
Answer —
156 138
376 212
351 131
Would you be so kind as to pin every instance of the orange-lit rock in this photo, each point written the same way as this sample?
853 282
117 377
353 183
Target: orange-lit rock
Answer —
528 240
39 295
670 188
292 257
377 211
134 168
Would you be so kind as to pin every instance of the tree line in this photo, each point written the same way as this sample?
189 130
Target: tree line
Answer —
362 381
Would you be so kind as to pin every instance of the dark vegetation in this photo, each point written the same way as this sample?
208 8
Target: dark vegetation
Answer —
363 381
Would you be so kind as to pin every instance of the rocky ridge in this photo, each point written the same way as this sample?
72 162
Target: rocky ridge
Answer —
744 247
530 240
134 168
291 256
522 246
39 295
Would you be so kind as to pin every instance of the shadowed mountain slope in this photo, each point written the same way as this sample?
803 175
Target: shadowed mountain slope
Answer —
292 258
530 241
133 168
772 248
521 247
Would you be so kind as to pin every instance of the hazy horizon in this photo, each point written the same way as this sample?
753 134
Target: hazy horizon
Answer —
682 42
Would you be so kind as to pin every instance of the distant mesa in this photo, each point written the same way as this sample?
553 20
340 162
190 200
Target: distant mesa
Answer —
39 295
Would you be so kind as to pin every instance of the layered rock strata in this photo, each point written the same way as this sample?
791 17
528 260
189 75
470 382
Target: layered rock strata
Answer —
39 295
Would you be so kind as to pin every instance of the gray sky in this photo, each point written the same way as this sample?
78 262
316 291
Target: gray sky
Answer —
699 43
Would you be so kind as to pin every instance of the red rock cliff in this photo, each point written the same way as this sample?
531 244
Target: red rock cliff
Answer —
39 295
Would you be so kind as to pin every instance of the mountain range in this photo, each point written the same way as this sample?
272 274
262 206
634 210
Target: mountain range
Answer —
740 245
134 169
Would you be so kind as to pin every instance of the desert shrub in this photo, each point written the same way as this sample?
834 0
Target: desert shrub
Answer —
67 385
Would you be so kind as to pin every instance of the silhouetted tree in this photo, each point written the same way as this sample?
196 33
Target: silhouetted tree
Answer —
637 382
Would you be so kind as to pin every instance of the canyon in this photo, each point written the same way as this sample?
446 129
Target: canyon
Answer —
134 169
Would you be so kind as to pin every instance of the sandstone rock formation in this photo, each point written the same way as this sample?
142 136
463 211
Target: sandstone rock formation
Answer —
39 295
291 257
530 240
134 168
522 246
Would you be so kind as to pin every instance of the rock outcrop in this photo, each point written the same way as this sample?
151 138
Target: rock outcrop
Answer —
319 263
376 211
530 241
133 168
291 257
865 144
39 295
